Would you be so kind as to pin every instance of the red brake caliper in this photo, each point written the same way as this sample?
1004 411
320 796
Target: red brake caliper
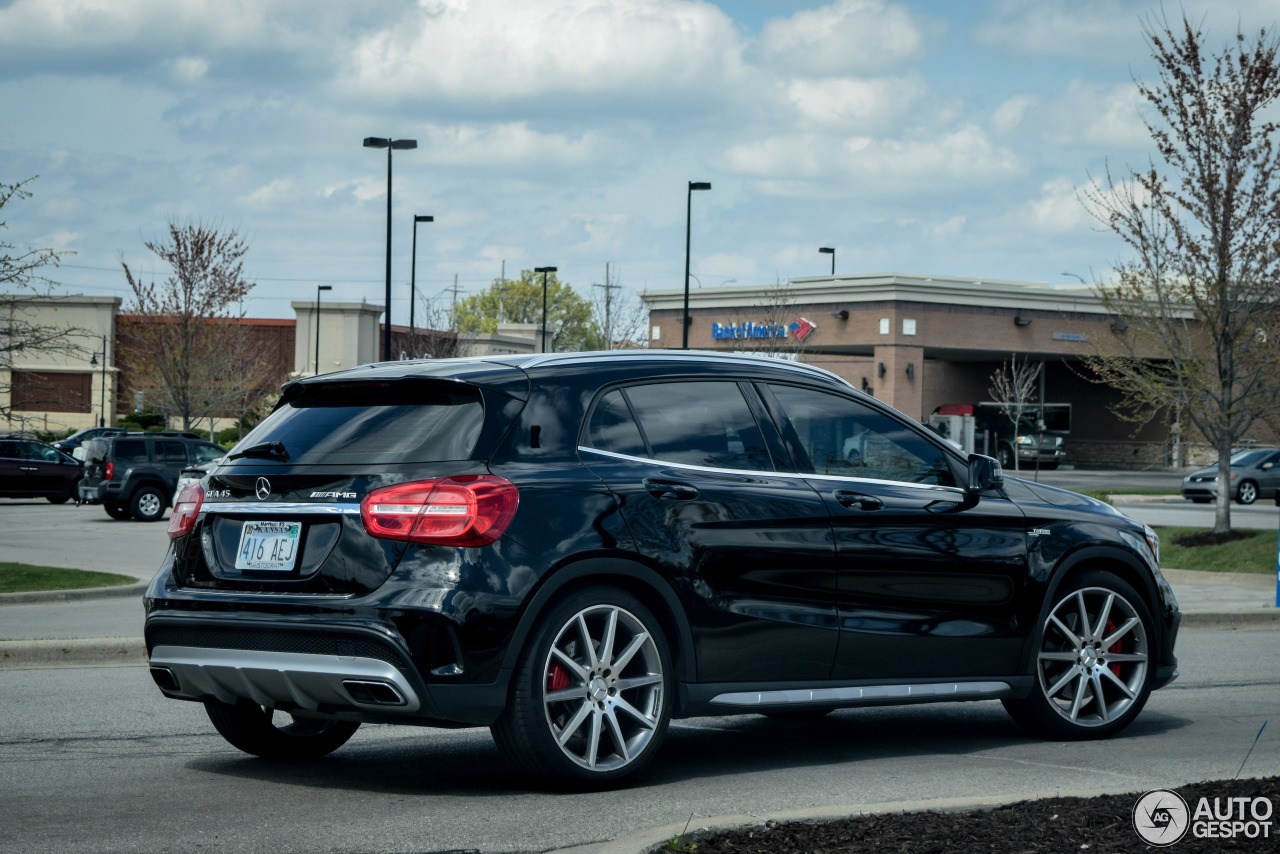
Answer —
557 678
1111 627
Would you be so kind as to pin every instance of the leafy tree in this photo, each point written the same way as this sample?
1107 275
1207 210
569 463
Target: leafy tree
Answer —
1201 289
22 279
520 301
187 351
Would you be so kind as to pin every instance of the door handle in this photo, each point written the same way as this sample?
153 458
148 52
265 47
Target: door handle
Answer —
28 468
860 500
672 489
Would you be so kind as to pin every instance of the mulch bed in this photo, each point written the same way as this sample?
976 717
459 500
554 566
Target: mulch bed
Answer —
1092 825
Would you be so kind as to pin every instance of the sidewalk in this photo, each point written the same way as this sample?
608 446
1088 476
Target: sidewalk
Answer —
104 628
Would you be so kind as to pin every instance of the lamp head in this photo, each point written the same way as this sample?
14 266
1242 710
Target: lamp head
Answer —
376 142
420 218
827 250
544 269
699 185
324 287
399 144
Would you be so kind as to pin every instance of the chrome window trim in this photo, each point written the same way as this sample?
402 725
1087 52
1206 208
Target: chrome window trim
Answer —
279 508
932 487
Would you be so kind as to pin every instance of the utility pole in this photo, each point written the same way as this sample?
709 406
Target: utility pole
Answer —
609 288
502 288
453 306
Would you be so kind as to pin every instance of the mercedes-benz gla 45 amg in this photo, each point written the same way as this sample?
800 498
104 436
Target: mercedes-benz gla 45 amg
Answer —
573 549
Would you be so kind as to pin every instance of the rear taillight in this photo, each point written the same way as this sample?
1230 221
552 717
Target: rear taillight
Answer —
108 471
185 510
466 510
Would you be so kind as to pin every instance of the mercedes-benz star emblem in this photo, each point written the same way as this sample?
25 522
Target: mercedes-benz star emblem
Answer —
262 489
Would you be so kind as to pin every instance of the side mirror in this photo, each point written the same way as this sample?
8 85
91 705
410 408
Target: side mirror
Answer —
984 473
78 452
1268 466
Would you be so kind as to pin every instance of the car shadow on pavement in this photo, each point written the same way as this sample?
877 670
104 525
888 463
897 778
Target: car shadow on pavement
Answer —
401 760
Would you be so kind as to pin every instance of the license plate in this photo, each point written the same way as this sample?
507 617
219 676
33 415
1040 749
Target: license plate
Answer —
269 546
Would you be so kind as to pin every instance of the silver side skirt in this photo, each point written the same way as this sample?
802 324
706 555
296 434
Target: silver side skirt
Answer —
294 680
865 693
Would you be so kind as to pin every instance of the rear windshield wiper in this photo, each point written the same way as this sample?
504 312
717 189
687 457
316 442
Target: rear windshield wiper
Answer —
265 450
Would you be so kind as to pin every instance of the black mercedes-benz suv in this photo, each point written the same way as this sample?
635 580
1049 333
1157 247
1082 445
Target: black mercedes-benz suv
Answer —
572 549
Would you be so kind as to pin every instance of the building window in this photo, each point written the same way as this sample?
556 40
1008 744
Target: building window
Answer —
657 333
908 326
884 326
41 391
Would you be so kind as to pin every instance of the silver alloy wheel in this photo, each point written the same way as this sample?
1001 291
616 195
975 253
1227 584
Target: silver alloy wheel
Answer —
602 688
1093 657
1248 492
149 504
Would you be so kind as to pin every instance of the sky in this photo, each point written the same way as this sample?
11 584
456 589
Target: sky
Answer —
935 137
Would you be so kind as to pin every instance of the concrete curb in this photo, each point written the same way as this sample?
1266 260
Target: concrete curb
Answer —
37 596
651 839
1247 580
71 652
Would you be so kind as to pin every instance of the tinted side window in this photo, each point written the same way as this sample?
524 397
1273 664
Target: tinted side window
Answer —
611 427
171 452
843 437
130 451
44 453
9 449
700 423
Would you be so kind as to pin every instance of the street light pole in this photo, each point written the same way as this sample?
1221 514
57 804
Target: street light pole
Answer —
319 288
102 405
544 271
830 250
388 144
688 231
413 283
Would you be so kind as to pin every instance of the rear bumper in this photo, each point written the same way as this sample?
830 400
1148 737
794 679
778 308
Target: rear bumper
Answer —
99 493
332 669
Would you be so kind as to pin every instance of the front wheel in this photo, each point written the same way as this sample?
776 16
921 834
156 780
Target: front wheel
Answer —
1248 492
251 729
1094 664
148 504
1005 455
591 697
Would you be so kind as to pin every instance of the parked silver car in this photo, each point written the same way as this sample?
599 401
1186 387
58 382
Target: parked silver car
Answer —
1255 473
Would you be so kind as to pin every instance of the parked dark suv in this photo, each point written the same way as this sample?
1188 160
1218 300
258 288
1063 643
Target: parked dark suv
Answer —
31 469
134 474
573 549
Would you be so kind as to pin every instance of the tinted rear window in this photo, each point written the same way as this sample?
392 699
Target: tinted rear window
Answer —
358 423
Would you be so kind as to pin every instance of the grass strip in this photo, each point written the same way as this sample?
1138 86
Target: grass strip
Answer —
25 578
1250 551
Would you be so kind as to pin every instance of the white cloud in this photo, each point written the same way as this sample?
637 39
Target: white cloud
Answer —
271 194
498 50
190 69
961 157
865 104
507 143
1008 115
1095 28
363 189
844 36
1058 209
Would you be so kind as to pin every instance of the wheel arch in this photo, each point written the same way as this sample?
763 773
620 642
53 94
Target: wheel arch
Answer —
1120 563
633 577
166 495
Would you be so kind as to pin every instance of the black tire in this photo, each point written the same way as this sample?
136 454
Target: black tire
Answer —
1005 455
116 511
57 499
250 728
1247 493
602 731
148 504
1070 663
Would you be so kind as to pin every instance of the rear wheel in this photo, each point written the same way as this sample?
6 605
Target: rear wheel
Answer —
148 504
591 697
252 729
116 511
1248 492
1094 661
1005 455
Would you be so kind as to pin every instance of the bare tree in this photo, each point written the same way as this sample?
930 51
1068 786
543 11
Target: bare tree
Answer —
178 350
780 334
618 314
22 282
1013 386
1202 288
